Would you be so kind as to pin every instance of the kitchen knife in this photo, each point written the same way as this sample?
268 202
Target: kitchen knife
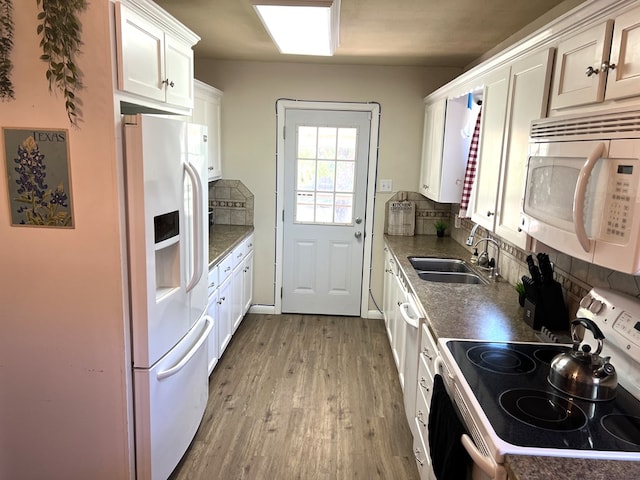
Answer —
545 268
534 270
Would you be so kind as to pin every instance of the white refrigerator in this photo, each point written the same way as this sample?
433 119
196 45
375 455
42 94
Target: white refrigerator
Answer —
166 194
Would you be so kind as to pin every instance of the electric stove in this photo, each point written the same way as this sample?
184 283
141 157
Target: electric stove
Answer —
509 407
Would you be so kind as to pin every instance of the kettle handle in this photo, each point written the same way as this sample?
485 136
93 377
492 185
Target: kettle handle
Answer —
589 325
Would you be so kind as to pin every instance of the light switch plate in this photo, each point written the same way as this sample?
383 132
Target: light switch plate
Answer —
385 186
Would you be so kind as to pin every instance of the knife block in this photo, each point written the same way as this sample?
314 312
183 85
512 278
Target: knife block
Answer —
544 306
530 315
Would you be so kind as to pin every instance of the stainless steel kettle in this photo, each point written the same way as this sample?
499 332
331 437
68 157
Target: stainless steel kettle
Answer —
581 373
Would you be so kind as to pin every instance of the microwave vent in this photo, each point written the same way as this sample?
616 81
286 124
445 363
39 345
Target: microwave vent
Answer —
598 126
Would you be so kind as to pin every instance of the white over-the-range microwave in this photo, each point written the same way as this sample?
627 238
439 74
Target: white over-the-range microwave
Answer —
582 187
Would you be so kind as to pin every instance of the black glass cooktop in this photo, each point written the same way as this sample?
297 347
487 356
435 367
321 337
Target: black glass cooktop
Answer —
509 380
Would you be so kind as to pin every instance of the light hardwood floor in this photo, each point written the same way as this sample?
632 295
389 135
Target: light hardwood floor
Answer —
303 397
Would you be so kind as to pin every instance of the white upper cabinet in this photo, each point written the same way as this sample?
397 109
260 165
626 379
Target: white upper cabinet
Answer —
432 141
178 81
206 111
513 96
155 56
599 64
494 111
623 77
528 100
445 149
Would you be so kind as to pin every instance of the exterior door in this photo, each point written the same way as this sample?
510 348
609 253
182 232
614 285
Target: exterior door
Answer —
326 156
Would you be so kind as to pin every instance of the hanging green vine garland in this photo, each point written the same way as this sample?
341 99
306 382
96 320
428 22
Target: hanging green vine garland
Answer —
60 30
6 43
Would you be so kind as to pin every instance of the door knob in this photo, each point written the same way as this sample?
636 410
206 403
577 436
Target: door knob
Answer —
357 235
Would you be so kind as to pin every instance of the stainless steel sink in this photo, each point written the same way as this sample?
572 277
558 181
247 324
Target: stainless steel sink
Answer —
445 270
452 277
433 264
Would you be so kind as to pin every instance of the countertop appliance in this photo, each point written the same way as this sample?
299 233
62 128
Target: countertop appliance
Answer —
165 168
582 187
502 392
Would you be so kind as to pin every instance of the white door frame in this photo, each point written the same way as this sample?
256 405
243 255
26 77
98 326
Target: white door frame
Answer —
281 108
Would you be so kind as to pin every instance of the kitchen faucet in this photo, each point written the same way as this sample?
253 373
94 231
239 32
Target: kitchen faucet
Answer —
494 272
472 234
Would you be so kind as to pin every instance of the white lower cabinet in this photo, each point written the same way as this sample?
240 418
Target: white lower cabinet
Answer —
414 353
388 308
236 298
423 461
213 347
230 295
247 281
224 319
426 372
400 327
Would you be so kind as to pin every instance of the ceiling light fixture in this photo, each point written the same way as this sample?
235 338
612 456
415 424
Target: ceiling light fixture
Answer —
301 27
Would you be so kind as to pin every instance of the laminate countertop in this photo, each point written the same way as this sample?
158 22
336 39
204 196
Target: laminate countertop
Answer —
490 312
224 238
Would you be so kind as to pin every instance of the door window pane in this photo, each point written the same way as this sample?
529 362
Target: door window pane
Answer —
347 138
344 208
324 208
326 176
307 142
306 175
345 174
327 138
305 204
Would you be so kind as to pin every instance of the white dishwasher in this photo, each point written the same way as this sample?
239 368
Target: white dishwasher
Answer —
409 312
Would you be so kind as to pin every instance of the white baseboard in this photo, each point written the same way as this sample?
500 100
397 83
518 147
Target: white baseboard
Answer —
271 310
263 309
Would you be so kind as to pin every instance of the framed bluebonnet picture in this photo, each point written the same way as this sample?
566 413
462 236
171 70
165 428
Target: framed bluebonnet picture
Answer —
37 165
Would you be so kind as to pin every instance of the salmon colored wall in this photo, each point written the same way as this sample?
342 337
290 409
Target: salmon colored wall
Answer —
63 402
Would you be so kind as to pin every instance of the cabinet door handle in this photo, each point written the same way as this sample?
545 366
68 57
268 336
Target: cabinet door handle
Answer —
417 453
592 71
426 353
420 418
169 83
424 384
490 213
607 66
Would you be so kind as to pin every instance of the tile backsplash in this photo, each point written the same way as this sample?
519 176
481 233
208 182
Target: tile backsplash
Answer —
576 276
232 202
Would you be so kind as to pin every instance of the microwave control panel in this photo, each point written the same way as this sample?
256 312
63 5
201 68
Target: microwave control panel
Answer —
620 200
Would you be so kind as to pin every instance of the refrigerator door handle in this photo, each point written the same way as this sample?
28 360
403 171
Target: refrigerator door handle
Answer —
184 360
198 226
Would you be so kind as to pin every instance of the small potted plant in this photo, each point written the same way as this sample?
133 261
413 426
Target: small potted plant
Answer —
519 287
441 226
